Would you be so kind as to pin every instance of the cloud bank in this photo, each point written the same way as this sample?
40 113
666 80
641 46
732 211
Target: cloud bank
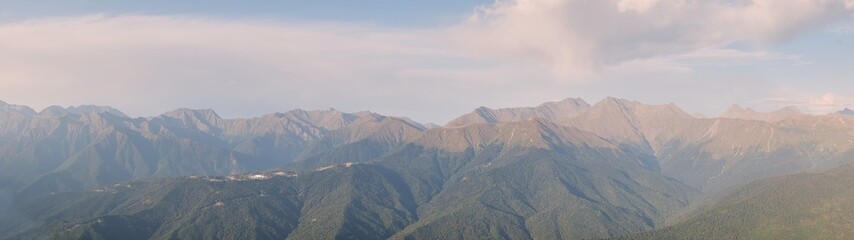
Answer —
509 53
155 63
580 35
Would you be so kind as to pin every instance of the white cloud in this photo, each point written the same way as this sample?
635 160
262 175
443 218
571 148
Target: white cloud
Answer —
635 5
580 35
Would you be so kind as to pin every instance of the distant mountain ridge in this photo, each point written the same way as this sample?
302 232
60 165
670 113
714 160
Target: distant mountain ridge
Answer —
551 111
62 149
9 108
736 112
238 145
699 151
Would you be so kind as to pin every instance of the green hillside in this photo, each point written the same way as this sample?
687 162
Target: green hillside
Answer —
357 202
801 206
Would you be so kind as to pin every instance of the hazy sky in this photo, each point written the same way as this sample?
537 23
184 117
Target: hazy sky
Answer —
428 60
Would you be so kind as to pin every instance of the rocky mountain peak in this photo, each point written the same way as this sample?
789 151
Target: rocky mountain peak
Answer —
53 111
201 119
86 109
27 111
208 114
560 111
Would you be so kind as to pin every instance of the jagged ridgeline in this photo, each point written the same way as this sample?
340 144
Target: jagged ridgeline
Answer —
72 149
564 169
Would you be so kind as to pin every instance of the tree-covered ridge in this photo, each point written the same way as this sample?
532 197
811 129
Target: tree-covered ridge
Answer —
324 204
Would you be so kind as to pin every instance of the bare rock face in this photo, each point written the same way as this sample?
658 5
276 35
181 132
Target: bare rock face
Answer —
551 111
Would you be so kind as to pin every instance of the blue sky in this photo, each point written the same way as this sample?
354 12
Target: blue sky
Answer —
386 12
429 60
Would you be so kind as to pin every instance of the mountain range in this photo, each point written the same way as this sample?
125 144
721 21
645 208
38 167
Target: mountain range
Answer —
564 169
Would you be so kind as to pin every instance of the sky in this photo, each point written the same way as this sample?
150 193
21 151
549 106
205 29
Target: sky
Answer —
427 60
